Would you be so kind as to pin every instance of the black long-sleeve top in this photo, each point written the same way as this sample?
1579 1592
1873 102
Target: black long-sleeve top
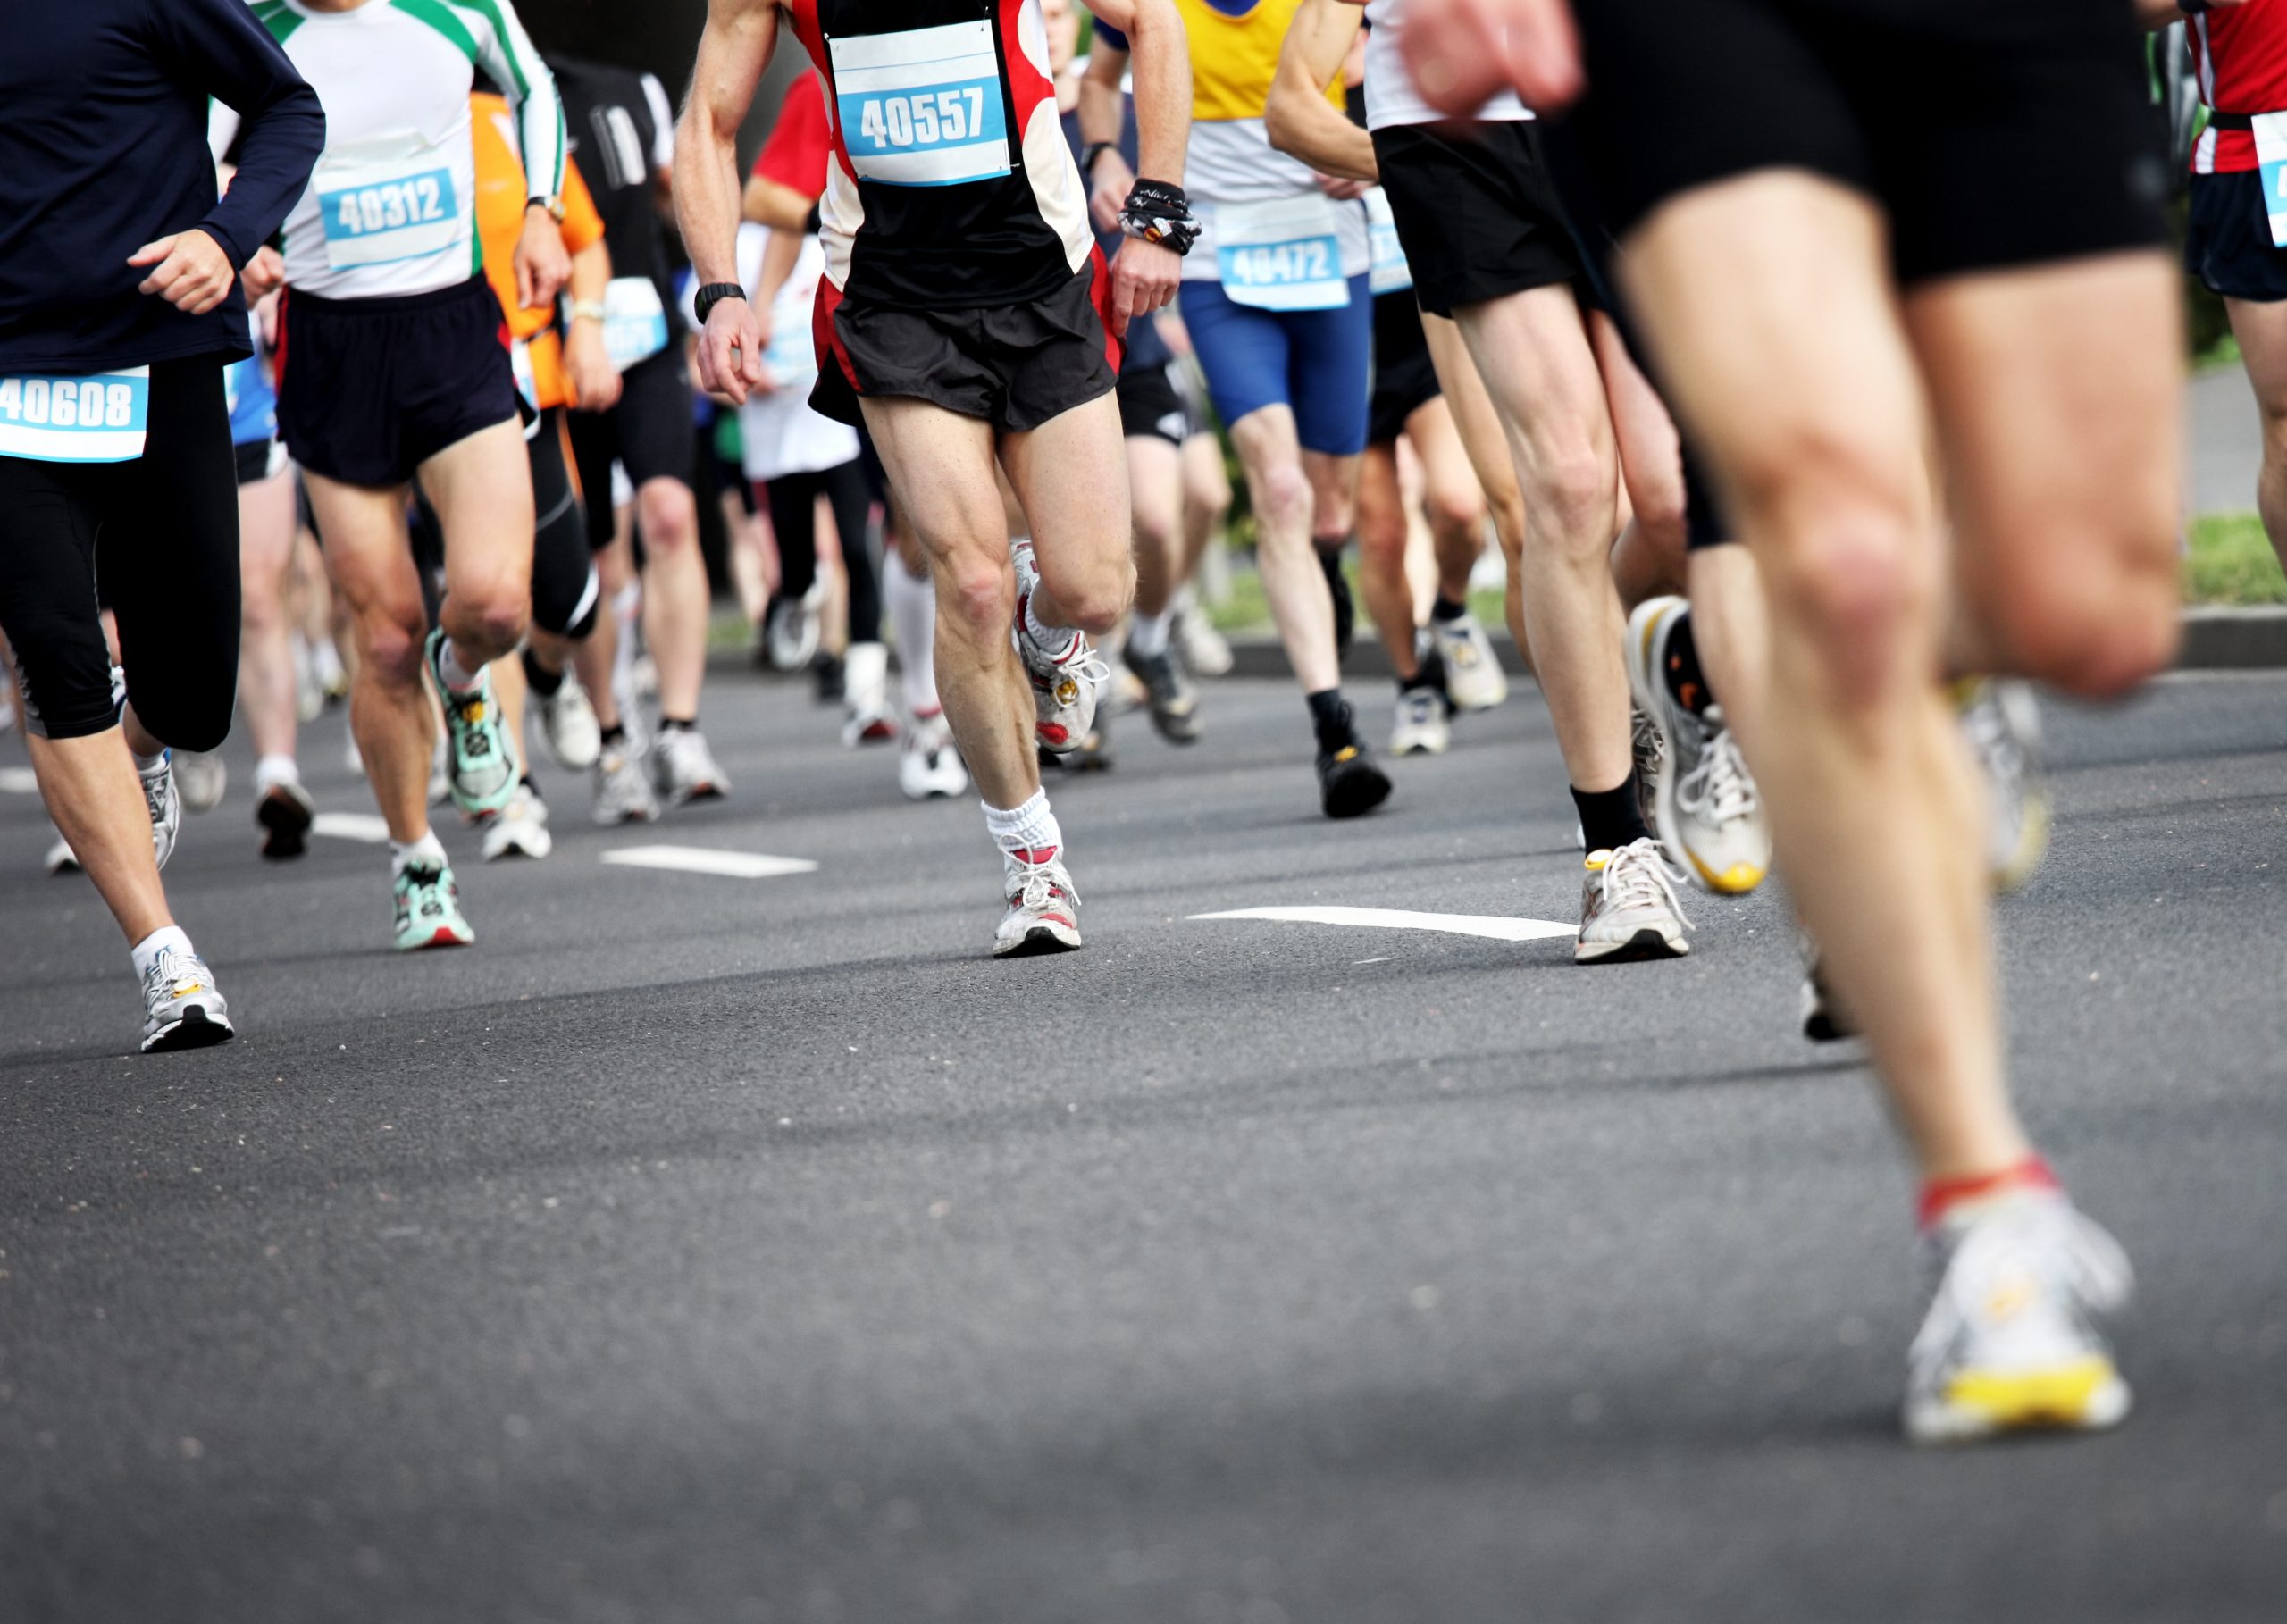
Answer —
103 149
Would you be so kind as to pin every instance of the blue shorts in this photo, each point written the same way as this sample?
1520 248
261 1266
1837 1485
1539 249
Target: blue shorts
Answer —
1318 362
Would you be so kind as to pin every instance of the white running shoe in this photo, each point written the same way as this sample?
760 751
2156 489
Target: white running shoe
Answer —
1043 911
1065 682
1422 727
1203 649
1473 673
790 632
866 717
622 789
182 1008
2009 1343
1629 909
519 829
1703 800
200 778
930 766
683 769
2001 720
568 725
164 803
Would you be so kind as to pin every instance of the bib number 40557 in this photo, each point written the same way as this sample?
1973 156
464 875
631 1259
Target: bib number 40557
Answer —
923 120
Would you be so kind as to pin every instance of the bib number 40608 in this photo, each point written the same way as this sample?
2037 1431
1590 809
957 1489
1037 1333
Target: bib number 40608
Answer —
923 120
67 403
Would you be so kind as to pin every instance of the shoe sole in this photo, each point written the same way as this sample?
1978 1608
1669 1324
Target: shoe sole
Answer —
1176 730
1419 747
1038 942
444 938
196 1030
286 825
1645 946
1354 793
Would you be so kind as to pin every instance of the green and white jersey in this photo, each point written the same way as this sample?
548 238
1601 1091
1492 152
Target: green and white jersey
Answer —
392 209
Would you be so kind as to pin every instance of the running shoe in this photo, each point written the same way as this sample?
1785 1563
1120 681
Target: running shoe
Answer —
164 803
481 767
200 777
309 693
2001 720
1043 911
61 858
1703 800
429 909
789 633
567 722
829 676
519 829
1473 673
1065 686
1202 649
285 812
683 769
623 789
1174 702
1647 749
7 710
1629 909
931 765
867 717
1422 727
182 1008
1350 785
1345 609
2010 1343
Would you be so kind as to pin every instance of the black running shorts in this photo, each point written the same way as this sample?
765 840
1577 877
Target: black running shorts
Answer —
1150 408
1405 380
259 460
1475 213
2229 246
652 433
1013 365
1994 133
369 390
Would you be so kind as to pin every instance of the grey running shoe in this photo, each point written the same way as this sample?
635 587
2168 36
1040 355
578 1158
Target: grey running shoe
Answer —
1629 909
789 633
164 804
1173 702
1044 909
1648 749
1065 682
519 829
1422 727
2010 1344
182 1008
567 722
200 777
2001 720
1703 800
481 766
622 789
1473 673
683 769
285 812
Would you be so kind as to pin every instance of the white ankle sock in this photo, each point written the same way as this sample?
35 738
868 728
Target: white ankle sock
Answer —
276 769
455 675
1031 827
913 617
148 765
1049 639
1147 634
429 851
145 952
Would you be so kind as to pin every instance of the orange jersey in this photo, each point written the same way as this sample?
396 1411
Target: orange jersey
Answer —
500 202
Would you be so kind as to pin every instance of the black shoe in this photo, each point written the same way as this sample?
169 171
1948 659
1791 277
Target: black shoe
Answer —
285 814
1346 612
827 668
1174 702
1350 785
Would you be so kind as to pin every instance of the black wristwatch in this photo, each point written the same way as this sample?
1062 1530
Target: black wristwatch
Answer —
712 295
1095 150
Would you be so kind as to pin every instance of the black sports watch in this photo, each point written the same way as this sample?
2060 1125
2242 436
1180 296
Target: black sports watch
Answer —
713 294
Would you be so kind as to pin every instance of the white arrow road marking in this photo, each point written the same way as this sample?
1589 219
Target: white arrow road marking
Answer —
1491 926
702 859
367 826
18 781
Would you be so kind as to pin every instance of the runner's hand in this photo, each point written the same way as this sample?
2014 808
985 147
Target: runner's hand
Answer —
1108 188
194 274
1462 51
1341 188
595 381
542 266
730 351
265 274
1145 277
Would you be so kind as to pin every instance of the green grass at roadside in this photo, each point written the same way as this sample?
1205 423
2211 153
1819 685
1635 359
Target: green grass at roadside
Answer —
2231 563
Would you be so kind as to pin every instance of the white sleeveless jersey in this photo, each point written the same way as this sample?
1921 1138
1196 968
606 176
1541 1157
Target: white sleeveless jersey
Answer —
392 209
1391 98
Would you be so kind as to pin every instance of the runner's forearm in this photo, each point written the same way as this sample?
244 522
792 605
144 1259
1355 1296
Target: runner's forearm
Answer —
732 52
1298 117
1160 56
281 125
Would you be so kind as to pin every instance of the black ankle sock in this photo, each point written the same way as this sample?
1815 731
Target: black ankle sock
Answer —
1430 674
679 725
1330 717
1610 818
1684 678
617 733
541 680
527 781
1448 608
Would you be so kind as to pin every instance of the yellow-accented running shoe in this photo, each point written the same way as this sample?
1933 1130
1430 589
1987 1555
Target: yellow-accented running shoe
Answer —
1703 800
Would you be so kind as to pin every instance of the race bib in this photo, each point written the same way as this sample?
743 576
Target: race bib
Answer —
1283 255
101 419
2271 159
635 323
922 107
1388 273
378 209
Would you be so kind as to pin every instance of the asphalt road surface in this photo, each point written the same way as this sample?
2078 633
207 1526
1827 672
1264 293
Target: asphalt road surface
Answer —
704 1250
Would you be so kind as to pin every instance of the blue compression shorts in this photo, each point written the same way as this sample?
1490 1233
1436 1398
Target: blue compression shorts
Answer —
1318 362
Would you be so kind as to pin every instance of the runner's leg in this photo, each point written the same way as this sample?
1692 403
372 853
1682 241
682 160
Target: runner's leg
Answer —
2261 330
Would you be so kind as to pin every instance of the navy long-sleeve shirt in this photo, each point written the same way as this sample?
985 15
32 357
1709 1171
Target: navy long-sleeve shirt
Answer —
103 149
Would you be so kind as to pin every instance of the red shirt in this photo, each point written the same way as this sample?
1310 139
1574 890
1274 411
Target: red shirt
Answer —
2242 56
795 154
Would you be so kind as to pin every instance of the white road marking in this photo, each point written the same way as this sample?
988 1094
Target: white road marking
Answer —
367 826
1492 927
703 860
18 781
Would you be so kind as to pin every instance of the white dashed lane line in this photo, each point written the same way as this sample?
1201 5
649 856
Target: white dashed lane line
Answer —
1492 927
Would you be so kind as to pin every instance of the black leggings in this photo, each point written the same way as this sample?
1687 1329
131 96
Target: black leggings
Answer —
165 531
793 515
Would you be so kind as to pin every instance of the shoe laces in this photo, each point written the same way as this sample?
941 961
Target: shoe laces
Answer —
1035 883
1719 783
173 969
2043 1237
1638 875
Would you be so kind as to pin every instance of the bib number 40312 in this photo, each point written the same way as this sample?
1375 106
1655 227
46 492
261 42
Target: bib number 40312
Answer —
389 207
923 120
67 403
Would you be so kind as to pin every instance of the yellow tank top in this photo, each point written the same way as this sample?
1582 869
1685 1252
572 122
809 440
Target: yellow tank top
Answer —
1234 58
